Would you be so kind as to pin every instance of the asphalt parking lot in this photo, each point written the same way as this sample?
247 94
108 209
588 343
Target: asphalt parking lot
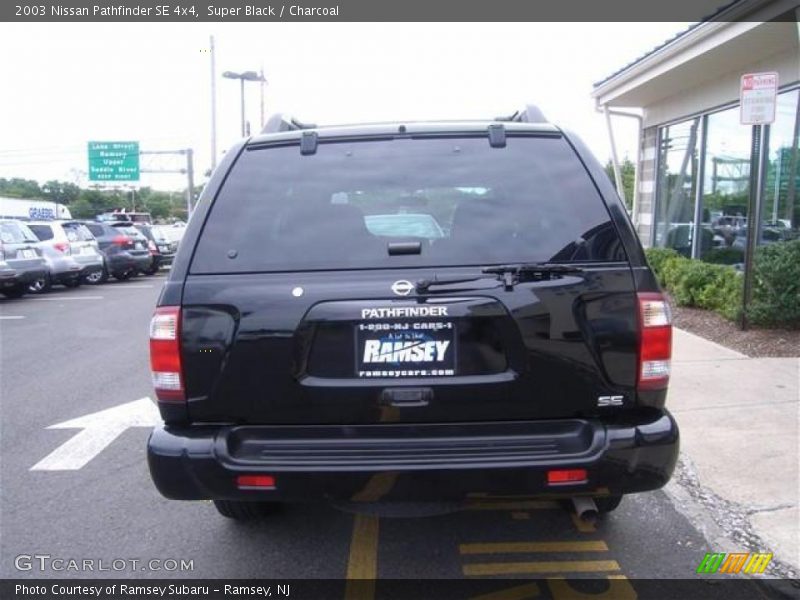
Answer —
81 490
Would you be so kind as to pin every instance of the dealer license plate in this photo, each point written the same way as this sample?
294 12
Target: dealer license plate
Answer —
406 349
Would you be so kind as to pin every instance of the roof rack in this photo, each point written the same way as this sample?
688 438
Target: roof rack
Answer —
530 114
280 122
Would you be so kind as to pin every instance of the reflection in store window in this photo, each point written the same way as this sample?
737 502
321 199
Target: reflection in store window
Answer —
780 218
677 179
726 187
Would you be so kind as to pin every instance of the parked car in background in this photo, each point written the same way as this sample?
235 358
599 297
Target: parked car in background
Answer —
161 247
124 255
21 260
123 215
140 244
71 253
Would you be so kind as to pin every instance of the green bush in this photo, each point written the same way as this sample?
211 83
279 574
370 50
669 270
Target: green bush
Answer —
776 285
657 257
718 287
724 256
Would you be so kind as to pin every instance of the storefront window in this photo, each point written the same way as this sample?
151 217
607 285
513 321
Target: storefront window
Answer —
726 187
677 180
780 218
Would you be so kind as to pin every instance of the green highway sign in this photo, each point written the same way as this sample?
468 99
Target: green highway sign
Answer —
113 161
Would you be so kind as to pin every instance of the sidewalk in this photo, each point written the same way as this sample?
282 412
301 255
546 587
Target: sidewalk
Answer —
740 449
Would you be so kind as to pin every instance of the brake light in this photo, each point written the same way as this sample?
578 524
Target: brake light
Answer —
63 247
262 482
557 476
121 240
655 341
152 247
165 354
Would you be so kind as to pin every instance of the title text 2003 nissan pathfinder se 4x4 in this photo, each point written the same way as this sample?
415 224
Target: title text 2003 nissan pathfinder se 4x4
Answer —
463 305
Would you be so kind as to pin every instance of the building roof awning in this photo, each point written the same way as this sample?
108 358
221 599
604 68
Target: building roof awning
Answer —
751 29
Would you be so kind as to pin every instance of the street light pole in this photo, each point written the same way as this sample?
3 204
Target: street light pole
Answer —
242 77
244 133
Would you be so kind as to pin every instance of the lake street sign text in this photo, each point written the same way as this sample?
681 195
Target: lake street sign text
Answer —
113 161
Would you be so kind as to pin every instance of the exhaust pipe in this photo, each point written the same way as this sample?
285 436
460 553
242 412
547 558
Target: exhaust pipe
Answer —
585 508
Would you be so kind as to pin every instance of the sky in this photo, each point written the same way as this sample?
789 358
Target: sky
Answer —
67 84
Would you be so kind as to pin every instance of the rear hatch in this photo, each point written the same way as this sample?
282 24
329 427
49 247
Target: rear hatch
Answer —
392 280
19 247
82 244
136 246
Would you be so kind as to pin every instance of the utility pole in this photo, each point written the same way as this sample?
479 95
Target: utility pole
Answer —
190 181
213 106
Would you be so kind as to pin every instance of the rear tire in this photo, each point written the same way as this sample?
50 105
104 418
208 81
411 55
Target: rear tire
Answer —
40 285
124 276
606 504
96 277
245 511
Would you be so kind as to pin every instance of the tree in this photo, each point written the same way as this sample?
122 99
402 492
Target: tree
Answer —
20 188
63 192
628 172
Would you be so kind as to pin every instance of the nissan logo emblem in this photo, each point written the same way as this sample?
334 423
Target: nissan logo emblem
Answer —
402 287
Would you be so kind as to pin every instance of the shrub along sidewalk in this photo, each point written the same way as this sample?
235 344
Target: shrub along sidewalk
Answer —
776 284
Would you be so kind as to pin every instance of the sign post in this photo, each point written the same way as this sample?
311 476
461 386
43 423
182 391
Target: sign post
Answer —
758 95
113 161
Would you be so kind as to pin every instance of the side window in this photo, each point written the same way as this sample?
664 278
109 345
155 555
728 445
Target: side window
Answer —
43 232
96 230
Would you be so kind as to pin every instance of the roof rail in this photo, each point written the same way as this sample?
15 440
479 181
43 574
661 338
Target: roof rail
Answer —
280 122
530 114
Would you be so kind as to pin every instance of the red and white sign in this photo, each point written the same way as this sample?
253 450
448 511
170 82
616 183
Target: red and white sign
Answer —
758 96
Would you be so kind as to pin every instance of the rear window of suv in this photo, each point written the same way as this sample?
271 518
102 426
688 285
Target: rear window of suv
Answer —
463 201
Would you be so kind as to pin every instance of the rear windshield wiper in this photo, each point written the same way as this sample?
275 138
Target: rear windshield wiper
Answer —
510 275
513 274
423 285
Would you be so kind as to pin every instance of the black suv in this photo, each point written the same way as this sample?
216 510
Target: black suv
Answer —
451 308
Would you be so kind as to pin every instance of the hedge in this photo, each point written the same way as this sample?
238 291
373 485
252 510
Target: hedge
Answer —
717 287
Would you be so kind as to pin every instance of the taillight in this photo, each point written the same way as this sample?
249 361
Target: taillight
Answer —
121 240
152 247
655 341
63 247
165 354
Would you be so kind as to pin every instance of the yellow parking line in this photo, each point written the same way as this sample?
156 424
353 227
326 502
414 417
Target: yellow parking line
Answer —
518 505
510 547
377 487
581 525
362 565
619 588
518 592
556 566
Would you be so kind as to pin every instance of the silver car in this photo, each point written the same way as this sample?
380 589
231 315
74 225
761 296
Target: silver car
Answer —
21 260
71 253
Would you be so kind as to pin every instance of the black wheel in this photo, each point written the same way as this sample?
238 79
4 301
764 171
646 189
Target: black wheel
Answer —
245 511
151 271
605 504
124 276
96 277
15 292
40 285
72 283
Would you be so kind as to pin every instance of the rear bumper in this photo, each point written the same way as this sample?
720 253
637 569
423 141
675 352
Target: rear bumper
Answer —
14 277
415 462
123 261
